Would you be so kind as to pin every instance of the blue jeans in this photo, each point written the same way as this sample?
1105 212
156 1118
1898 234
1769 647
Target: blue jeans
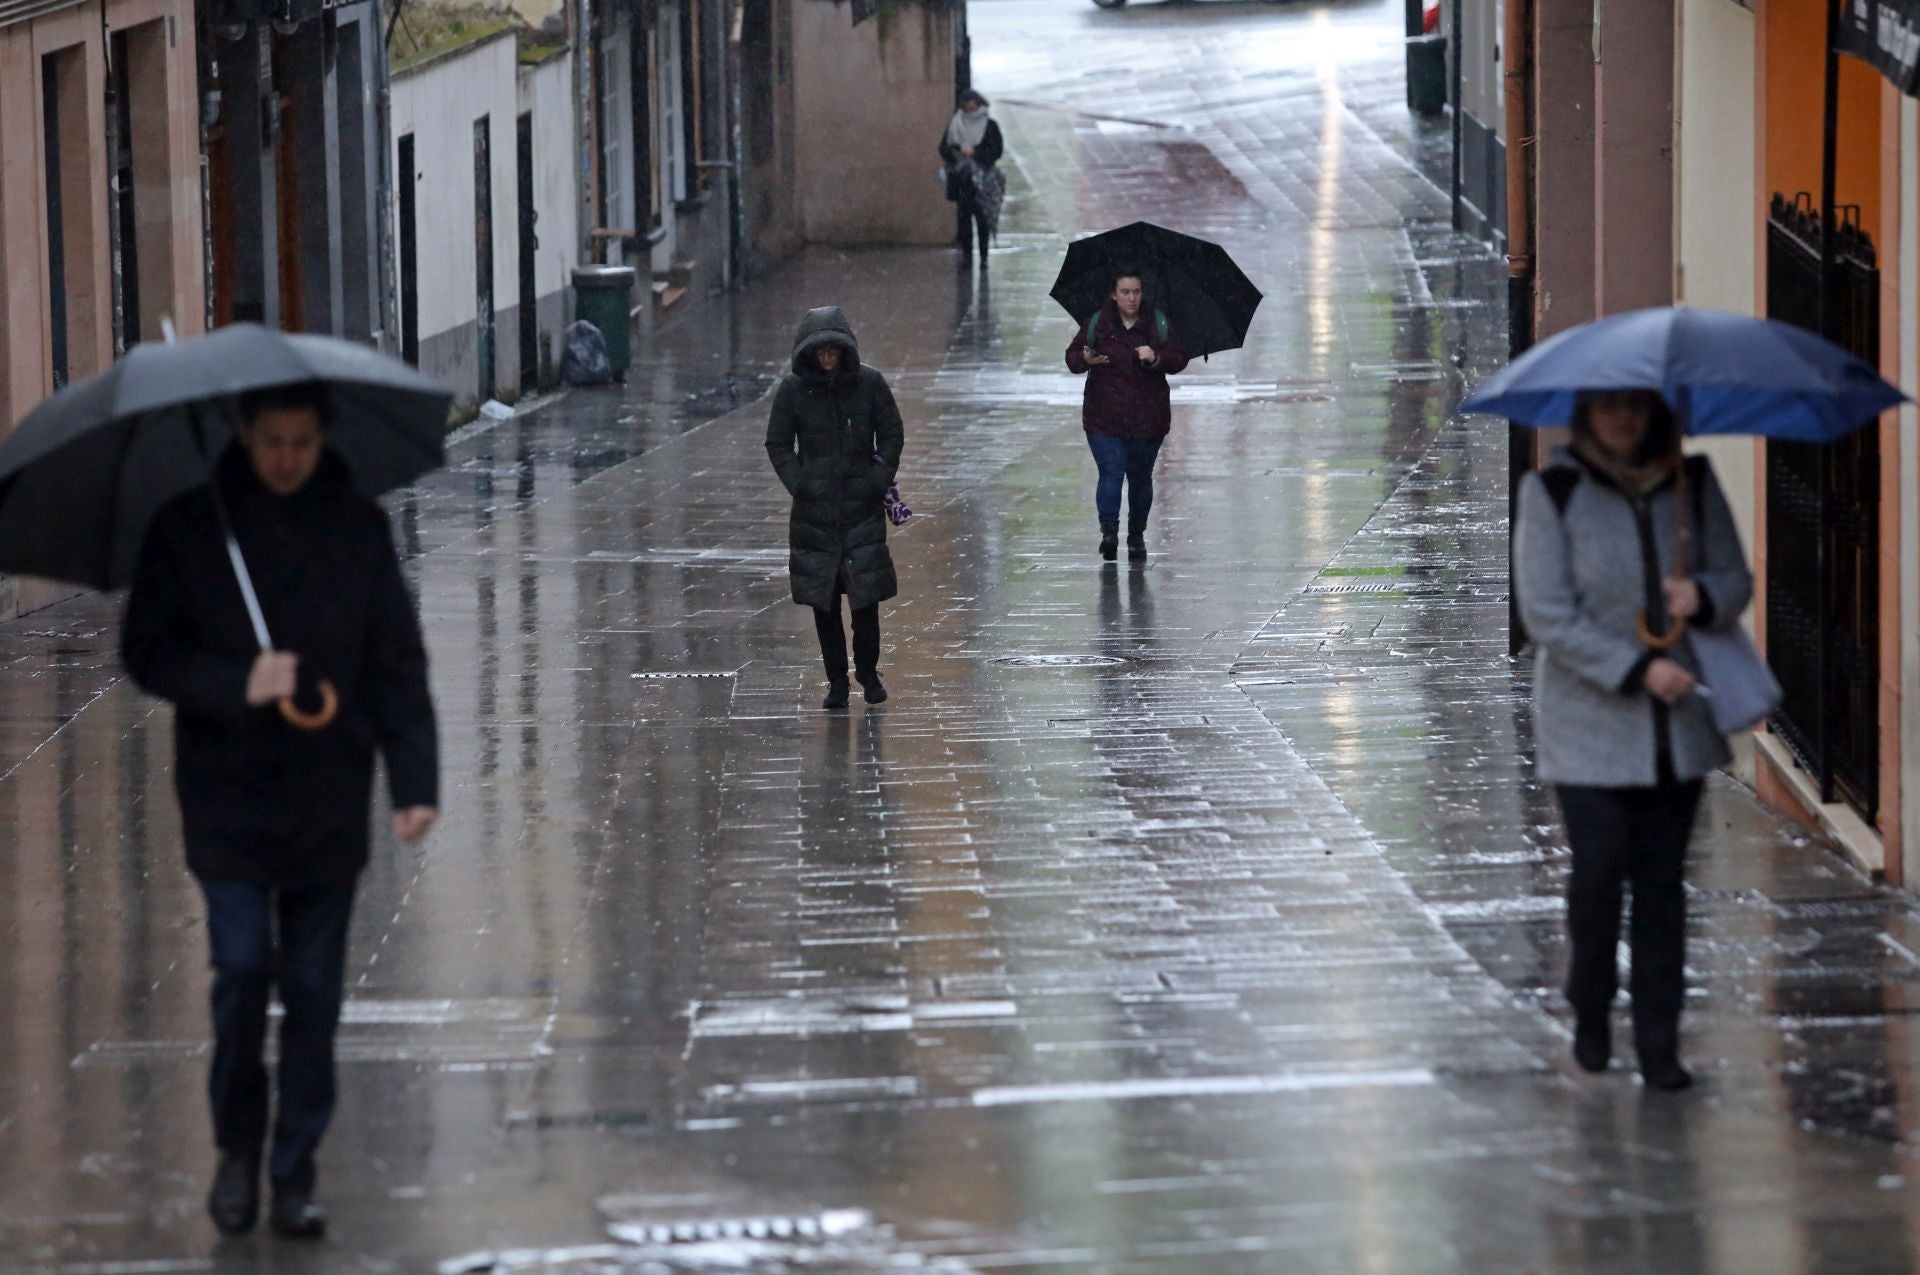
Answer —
307 959
1128 460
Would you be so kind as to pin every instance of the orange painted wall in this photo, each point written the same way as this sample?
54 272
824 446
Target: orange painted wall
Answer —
1795 33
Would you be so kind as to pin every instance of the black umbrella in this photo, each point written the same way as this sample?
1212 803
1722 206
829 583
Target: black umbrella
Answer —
1208 300
84 473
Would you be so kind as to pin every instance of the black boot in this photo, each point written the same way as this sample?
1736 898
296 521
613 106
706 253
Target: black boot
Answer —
1593 1042
871 687
295 1216
1109 540
1137 542
1659 1048
837 694
234 1201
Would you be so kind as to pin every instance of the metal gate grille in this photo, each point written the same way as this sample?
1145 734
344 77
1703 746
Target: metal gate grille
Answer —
1823 526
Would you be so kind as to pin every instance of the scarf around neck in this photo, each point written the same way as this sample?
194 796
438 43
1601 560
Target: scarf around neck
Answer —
969 128
1636 480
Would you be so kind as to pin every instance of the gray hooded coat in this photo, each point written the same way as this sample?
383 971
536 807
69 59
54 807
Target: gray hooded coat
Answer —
822 436
1587 559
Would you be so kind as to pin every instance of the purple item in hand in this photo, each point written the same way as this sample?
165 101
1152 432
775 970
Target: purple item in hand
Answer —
897 511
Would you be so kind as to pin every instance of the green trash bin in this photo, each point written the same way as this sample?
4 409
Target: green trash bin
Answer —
603 296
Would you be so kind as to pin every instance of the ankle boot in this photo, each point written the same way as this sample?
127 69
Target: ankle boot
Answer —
1659 1048
234 1201
1109 540
837 693
1136 541
1593 1042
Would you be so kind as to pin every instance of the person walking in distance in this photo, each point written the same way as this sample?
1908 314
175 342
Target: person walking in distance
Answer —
1619 728
835 438
275 817
1127 352
971 149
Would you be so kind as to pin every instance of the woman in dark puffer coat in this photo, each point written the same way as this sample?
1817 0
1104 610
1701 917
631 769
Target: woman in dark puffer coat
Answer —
835 439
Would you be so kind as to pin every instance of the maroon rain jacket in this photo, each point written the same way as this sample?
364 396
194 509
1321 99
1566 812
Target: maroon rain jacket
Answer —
1127 398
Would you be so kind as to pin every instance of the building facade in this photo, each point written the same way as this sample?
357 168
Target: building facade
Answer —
101 242
1680 154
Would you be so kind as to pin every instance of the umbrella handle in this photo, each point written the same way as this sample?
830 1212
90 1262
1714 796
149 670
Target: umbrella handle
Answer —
1659 641
300 718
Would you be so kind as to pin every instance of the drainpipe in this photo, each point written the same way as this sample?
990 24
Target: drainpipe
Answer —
736 150
1458 40
389 341
1521 151
1829 149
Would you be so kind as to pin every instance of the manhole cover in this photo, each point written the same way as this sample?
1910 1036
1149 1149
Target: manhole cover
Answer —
1060 661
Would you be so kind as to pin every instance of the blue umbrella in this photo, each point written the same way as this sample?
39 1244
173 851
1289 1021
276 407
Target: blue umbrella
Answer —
1721 373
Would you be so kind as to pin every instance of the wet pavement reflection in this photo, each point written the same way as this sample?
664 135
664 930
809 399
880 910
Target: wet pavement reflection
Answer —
1200 916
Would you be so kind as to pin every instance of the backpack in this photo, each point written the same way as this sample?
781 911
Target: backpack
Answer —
1159 326
1560 480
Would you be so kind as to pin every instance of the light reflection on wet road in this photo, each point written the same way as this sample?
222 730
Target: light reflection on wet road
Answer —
1199 917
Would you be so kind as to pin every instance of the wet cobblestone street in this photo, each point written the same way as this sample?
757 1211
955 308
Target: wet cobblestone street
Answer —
1201 916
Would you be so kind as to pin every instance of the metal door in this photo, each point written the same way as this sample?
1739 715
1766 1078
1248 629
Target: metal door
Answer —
483 248
529 258
1823 528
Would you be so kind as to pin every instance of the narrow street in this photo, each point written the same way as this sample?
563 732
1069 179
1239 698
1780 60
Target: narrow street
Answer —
1195 917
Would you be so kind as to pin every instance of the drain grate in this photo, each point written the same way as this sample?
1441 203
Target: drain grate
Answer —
1399 587
664 675
1060 661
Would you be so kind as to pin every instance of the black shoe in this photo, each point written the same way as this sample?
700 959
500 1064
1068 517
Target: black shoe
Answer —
234 1201
1659 1050
1665 1074
1137 542
871 687
1109 540
295 1216
1593 1043
837 693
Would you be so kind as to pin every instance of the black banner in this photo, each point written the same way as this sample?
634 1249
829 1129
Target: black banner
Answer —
1885 34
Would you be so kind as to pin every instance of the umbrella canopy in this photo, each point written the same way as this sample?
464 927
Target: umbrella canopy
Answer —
1721 373
84 473
1208 300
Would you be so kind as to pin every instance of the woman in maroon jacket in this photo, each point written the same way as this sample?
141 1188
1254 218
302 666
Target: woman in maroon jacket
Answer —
1127 353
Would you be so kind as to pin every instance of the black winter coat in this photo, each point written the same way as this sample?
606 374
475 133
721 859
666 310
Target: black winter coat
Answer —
822 437
261 801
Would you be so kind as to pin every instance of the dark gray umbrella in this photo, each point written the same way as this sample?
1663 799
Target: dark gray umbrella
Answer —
84 473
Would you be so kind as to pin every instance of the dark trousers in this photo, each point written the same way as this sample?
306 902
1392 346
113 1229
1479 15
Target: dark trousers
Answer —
1633 837
1127 461
833 638
296 941
970 221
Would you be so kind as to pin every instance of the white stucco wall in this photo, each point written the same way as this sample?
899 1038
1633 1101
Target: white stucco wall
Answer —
869 113
438 104
1715 172
1715 193
547 92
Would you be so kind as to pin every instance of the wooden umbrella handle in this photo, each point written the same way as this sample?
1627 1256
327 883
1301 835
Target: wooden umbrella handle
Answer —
303 720
1659 641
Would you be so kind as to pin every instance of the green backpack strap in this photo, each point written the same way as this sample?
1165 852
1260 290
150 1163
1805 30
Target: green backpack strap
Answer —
1159 326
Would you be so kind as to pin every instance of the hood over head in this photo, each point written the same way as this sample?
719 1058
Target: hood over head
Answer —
826 325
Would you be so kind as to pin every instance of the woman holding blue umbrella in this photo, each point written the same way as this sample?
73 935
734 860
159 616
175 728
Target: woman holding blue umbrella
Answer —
1631 581
1618 726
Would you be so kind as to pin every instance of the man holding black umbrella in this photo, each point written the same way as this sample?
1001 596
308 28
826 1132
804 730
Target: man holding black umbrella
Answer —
275 802
1127 351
